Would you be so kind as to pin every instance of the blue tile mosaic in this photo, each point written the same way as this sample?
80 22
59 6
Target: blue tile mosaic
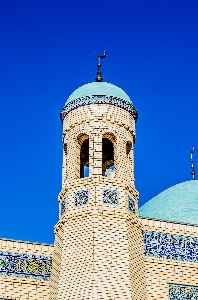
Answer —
131 204
81 198
182 292
98 100
62 208
110 197
25 265
171 246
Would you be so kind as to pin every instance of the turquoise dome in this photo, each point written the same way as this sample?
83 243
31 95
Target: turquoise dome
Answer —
98 88
178 204
99 93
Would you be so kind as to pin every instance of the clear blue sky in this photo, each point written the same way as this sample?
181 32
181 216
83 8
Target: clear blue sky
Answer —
46 51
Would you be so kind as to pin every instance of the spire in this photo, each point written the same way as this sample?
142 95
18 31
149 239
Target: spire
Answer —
99 73
191 160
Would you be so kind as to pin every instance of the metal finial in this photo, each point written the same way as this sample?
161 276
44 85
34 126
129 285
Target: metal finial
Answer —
191 160
99 73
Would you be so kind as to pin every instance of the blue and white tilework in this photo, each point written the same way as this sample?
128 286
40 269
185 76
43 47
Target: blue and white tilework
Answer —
81 198
182 292
62 207
25 265
131 204
98 100
110 197
171 246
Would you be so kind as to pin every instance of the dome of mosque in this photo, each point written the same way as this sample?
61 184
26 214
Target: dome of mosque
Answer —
99 93
99 89
178 203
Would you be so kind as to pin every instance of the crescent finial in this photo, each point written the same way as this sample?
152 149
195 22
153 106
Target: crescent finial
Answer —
99 73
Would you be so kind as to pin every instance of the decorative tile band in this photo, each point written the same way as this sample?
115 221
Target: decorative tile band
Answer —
99 100
110 197
81 198
25 265
171 246
182 292
131 204
62 208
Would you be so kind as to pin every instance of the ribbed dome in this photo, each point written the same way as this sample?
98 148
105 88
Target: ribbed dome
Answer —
176 204
99 89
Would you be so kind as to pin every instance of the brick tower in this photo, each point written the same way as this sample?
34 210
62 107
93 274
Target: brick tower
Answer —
98 250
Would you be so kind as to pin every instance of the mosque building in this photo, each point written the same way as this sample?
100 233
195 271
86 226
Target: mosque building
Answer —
105 247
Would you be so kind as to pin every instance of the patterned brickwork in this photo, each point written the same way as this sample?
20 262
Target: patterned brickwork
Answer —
56 263
99 265
94 121
97 259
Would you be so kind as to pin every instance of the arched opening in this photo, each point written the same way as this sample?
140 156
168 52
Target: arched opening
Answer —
128 148
129 157
108 155
84 159
83 143
64 167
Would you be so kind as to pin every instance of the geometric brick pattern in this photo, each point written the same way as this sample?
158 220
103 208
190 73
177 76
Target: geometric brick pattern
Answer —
110 197
171 246
182 292
25 265
131 204
81 198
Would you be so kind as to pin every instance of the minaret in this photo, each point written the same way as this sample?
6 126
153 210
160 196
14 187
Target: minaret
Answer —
98 250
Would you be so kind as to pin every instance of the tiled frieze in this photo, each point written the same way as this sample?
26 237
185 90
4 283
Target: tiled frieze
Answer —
81 198
182 292
62 207
99 100
171 246
25 265
110 197
131 204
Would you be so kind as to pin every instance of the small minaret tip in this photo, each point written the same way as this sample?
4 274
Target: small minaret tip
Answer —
99 73
191 160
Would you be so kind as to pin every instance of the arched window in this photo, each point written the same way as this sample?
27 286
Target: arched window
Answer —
108 166
83 155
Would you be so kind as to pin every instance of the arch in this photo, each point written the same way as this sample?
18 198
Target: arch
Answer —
64 164
129 161
82 155
128 147
65 149
108 164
